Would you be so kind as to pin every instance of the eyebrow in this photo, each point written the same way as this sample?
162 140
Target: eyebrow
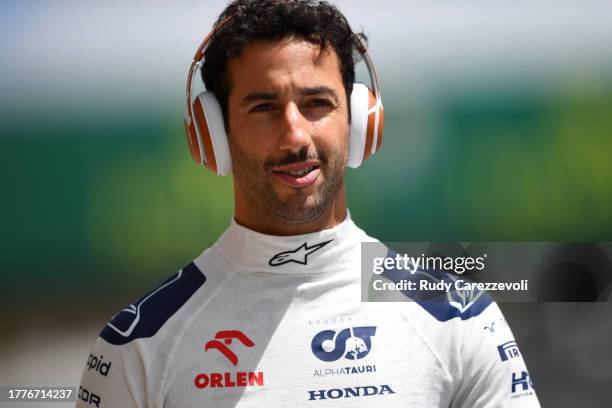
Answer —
320 90
270 96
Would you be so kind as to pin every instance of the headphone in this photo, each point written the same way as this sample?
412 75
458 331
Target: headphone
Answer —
208 140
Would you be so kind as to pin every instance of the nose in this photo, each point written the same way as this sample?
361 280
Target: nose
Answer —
294 134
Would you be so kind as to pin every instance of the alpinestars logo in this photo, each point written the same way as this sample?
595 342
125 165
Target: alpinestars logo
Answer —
353 343
298 255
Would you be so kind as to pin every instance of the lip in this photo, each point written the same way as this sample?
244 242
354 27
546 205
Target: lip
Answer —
298 182
297 166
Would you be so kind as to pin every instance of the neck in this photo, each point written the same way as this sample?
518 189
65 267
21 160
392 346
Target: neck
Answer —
270 224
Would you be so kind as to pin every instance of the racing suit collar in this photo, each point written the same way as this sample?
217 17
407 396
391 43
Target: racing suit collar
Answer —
317 252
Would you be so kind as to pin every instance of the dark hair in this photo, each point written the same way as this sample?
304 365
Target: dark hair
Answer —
244 21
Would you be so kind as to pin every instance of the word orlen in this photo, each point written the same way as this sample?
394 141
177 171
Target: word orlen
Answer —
458 264
459 284
222 380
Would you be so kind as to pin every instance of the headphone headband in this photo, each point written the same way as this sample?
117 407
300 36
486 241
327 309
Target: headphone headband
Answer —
196 64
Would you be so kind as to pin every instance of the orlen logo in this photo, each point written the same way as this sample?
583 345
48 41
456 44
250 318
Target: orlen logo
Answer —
98 365
229 379
353 343
227 336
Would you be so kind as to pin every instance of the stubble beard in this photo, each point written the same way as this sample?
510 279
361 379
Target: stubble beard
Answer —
300 207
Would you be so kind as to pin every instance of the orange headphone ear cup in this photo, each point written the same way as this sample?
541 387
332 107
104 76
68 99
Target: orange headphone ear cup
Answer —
192 140
363 130
374 130
210 132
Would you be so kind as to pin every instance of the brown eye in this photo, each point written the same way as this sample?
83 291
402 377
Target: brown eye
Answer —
262 107
319 103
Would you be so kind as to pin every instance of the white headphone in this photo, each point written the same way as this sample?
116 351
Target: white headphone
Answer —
208 141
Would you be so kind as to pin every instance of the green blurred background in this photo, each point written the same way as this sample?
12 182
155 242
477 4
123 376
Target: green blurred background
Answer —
498 125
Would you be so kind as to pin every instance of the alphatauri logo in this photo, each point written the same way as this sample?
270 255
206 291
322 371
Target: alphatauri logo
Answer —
353 343
298 255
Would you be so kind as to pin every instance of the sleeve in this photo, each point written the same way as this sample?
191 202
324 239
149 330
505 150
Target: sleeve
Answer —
113 377
120 372
494 373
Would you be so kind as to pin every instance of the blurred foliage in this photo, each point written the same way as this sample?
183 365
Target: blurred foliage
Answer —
543 173
159 206
506 165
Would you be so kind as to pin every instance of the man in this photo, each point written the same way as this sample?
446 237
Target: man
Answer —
270 315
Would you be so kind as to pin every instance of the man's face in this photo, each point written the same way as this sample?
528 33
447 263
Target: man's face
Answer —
288 129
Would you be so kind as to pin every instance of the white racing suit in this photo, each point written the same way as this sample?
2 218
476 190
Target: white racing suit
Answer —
269 321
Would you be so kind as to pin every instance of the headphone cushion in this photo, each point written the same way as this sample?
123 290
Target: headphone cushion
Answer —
211 133
363 125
